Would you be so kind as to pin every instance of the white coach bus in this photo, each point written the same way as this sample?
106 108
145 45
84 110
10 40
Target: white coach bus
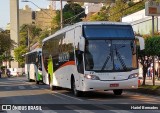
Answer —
91 56
33 65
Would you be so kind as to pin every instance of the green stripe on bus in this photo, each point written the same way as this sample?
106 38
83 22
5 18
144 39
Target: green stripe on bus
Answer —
50 68
39 76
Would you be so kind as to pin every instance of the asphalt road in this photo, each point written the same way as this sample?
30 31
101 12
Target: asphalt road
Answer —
23 95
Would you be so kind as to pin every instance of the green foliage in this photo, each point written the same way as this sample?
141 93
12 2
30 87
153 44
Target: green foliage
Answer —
30 32
152 46
43 35
72 13
117 11
56 22
134 8
6 44
72 9
100 16
18 52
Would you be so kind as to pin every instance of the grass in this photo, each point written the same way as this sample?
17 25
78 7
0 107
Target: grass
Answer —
151 87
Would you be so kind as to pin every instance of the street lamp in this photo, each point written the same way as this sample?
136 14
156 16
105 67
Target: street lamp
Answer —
37 6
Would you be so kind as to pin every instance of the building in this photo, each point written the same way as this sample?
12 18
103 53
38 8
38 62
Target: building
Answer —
25 16
18 17
14 26
142 24
43 18
92 7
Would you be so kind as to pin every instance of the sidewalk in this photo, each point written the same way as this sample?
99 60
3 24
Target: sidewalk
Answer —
148 89
150 81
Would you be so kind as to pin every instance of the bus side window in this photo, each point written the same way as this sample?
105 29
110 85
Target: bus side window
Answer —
79 59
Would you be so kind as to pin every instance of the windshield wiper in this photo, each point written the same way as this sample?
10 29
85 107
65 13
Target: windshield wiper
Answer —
120 58
105 63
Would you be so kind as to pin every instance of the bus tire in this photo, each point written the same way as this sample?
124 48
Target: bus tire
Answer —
75 91
52 87
37 82
29 77
117 91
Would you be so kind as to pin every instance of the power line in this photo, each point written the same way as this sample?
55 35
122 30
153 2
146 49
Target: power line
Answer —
75 16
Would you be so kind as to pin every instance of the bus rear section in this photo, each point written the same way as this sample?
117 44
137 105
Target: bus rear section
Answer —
104 57
33 66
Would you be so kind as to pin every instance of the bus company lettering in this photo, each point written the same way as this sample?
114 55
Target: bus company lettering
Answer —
64 57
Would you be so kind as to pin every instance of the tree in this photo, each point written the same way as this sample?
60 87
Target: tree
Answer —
71 9
33 32
28 33
19 52
102 15
117 11
72 13
6 45
153 49
56 25
43 35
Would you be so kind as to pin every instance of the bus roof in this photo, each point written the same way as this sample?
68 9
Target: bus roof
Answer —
84 23
37 49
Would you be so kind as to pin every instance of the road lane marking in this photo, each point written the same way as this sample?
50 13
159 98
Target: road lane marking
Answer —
105 107
34 87
59 97
68 96
76 109
120 111
13 111
110 107
7 88
48 111
21 87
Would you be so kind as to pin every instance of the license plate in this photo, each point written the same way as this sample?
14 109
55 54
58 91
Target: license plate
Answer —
114 85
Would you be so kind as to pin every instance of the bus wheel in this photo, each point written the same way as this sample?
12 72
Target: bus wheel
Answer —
117 91
52 87
75 91
37 82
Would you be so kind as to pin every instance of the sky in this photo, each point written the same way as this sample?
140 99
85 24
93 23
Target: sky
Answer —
5 9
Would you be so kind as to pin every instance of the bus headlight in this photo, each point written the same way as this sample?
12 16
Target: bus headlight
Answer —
133 76
92 77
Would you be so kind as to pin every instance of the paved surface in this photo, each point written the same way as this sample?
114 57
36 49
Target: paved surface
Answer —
18 91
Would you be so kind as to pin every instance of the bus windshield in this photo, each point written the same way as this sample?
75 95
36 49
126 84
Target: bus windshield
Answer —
110 55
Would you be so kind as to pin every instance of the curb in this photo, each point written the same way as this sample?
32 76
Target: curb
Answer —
145 91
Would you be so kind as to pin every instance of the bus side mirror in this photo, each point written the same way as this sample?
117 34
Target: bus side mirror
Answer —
81 44
141 42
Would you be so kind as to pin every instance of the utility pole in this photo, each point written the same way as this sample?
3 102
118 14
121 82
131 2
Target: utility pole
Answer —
61 13
153 56
28 38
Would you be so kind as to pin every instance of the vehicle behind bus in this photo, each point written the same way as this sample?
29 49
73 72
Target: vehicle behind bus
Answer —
33 65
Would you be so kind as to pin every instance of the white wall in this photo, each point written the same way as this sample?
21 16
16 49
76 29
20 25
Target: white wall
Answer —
142 24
